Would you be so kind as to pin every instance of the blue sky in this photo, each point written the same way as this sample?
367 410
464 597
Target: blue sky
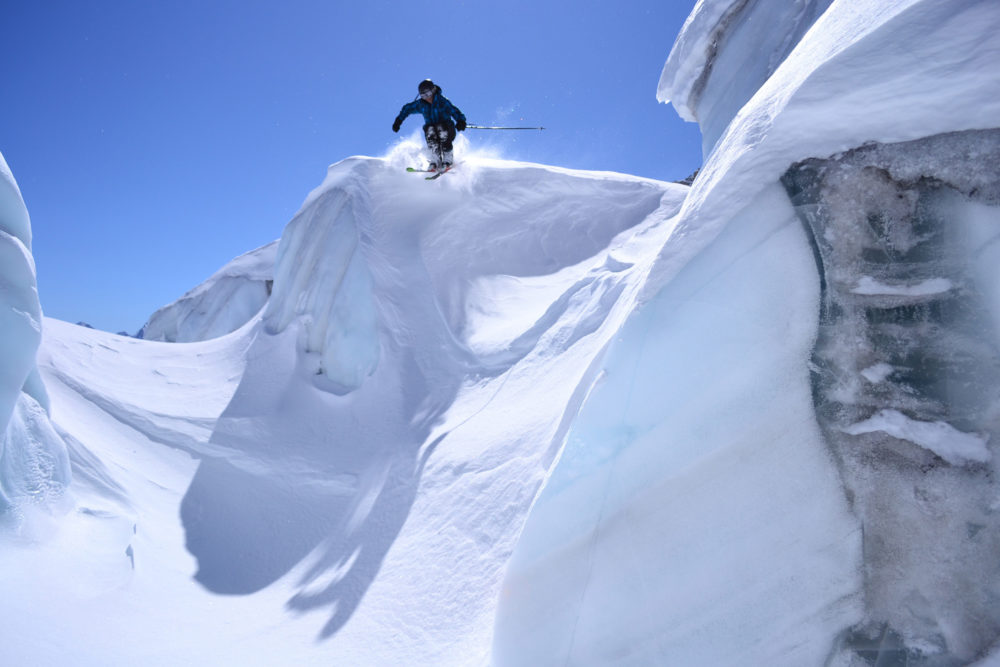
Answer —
155 141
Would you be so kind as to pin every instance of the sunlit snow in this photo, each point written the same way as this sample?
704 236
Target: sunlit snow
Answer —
526 415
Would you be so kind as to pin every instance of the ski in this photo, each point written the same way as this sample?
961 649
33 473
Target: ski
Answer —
435 173
440 173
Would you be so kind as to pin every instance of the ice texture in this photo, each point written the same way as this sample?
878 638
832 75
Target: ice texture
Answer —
227 300
708 76
907 375
33 463
322 281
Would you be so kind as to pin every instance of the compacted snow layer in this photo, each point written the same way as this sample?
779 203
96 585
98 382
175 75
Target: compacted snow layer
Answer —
665 535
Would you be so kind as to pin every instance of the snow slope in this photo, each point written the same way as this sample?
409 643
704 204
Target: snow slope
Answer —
289 492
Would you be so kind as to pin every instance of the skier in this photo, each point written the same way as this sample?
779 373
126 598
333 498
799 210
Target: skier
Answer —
439 130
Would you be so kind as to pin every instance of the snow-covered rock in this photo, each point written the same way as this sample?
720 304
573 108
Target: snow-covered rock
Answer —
34 467
222 304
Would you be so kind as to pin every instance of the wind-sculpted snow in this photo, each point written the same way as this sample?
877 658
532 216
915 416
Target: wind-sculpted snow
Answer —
222 304
319 490
33 462
665 534
454 300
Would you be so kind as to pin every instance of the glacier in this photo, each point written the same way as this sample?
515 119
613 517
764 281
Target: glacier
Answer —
526 415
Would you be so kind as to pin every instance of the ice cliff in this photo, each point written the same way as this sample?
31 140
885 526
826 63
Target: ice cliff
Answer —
34 467
831 279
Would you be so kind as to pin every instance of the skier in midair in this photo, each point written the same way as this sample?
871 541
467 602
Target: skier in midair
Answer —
439 129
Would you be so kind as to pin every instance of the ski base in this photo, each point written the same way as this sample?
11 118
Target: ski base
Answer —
435 173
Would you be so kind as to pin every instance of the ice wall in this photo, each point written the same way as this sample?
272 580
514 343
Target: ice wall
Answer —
695 518
645 506
725 52
906 376
33 461
322 282
220 305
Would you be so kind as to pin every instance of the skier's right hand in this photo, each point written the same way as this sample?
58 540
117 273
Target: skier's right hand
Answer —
395 125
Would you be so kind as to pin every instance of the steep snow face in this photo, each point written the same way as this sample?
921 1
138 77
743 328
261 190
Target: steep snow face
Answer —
695 517
222 304
33 463
725 52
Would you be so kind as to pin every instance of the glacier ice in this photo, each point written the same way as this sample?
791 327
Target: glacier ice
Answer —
708 76
663 536
323 283
906 374
34 466
863 71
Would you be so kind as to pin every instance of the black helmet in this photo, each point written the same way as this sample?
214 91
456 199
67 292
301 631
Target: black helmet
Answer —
426 86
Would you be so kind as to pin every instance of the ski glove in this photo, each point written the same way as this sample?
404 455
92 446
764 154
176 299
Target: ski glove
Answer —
460 125
395 125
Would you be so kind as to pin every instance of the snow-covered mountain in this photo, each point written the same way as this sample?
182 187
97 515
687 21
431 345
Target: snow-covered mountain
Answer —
524 415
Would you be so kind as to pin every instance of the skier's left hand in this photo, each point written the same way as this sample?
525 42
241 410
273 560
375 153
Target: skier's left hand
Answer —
460 125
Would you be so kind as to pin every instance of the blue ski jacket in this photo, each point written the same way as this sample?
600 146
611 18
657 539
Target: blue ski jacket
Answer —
439 111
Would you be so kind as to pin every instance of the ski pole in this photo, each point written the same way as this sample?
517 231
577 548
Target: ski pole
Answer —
494 127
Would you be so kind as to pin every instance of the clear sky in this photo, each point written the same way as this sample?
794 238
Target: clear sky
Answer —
155 141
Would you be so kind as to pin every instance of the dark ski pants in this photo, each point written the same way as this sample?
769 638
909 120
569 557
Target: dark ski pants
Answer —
439 137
